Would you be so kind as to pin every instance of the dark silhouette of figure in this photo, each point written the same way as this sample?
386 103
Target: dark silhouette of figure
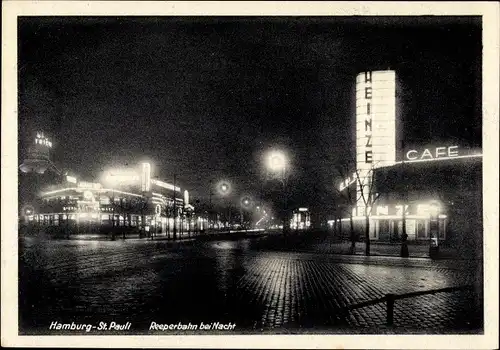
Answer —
404 246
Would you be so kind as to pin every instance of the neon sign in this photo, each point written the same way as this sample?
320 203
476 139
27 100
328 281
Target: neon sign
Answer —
91 185
347 182
122 177
375 127
165 185
438 152
42 140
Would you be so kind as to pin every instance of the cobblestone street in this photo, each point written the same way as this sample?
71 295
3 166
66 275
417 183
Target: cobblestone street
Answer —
261 290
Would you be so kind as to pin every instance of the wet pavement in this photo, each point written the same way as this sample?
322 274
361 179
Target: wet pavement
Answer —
241 282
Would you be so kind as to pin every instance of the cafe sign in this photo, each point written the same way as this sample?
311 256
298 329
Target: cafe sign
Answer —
433 153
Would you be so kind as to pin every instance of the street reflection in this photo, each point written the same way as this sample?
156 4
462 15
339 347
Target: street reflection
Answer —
228 280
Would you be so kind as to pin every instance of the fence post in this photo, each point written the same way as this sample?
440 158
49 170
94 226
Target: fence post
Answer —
390 309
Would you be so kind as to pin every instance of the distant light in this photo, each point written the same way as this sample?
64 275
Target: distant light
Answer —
71 179
223 188
303 209
246 202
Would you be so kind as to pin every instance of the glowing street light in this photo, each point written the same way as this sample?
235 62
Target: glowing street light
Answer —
277 163
224 188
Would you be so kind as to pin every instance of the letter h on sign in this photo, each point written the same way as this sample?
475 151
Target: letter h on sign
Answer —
368 77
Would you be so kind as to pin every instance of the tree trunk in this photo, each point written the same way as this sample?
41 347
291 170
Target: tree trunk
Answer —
367 235
403 228
340 228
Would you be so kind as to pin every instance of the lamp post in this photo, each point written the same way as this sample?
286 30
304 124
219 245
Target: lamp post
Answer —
224 189
245 203
277 165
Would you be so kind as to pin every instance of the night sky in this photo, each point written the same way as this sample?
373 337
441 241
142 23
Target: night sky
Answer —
204 97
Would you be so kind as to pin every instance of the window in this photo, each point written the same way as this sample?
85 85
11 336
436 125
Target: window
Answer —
421 232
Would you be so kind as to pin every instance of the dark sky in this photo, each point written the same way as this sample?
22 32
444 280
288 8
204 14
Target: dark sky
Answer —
204 97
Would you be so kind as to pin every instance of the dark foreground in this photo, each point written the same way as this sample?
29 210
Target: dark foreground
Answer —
245 285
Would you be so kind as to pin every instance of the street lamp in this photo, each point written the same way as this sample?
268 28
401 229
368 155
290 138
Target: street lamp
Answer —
223 188
246 203
276 163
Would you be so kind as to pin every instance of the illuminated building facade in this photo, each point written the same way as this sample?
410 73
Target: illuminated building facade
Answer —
126 200
401 188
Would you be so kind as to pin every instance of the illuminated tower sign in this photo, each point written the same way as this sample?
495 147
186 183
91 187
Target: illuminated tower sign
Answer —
375 126
38 154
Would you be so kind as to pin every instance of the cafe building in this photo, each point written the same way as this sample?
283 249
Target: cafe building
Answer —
430 192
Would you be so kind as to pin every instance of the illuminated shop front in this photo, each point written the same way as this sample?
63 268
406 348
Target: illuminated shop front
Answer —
301 219
386 224
126 199
422 190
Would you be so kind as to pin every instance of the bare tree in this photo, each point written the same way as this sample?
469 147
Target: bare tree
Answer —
347 199
368 196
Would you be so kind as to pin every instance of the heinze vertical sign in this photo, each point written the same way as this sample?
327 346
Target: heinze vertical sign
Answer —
375 126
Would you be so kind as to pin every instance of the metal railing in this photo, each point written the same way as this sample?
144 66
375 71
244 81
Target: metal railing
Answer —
390 298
